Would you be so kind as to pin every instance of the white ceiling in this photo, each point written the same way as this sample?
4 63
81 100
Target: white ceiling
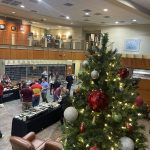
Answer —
143 3
52 11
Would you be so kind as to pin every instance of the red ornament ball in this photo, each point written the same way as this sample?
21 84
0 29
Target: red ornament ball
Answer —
129 127
138 101
94 148
82 127
123 73
97 100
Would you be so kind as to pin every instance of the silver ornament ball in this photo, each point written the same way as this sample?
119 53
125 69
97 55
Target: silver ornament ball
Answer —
94 74
70 114
85 63
126 143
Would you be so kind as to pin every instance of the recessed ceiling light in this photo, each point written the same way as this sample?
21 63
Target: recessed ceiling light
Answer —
87 13
116 22
22 6
39 0
134 20
105 9
71 23
67 17
13 12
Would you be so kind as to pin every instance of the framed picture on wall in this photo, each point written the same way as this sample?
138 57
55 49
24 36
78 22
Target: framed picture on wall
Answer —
57 37
132 45
70 37
13 28
2 27
63 37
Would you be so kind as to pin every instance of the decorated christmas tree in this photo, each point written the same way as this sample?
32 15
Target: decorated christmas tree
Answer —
106 106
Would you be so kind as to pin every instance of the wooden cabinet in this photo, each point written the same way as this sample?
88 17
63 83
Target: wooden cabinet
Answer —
144 89
143 65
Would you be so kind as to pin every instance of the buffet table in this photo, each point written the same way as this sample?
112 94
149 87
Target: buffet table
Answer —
21 125
10 95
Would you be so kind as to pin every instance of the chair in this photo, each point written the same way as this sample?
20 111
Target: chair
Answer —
28 142
52 145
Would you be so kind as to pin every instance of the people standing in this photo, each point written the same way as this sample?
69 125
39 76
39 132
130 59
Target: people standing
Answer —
26 95
36 87
57 84
1 94
69 79
45 74
45 87
57 93
51 81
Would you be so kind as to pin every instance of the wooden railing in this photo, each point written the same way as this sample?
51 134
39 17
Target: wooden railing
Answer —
18 52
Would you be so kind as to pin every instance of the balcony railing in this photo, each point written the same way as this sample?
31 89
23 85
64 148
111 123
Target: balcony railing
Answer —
15 40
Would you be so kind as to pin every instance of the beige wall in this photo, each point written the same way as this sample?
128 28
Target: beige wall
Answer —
118 35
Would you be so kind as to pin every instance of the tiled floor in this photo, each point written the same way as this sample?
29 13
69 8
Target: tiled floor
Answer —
14 107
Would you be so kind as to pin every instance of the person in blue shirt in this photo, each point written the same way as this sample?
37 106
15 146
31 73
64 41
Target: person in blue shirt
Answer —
45 87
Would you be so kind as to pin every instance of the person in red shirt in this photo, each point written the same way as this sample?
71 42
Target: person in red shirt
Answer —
36 87
26 94
1 94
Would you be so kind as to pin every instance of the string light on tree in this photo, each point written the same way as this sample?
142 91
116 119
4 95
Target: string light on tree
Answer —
139 114
82 111
92 82
87 145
